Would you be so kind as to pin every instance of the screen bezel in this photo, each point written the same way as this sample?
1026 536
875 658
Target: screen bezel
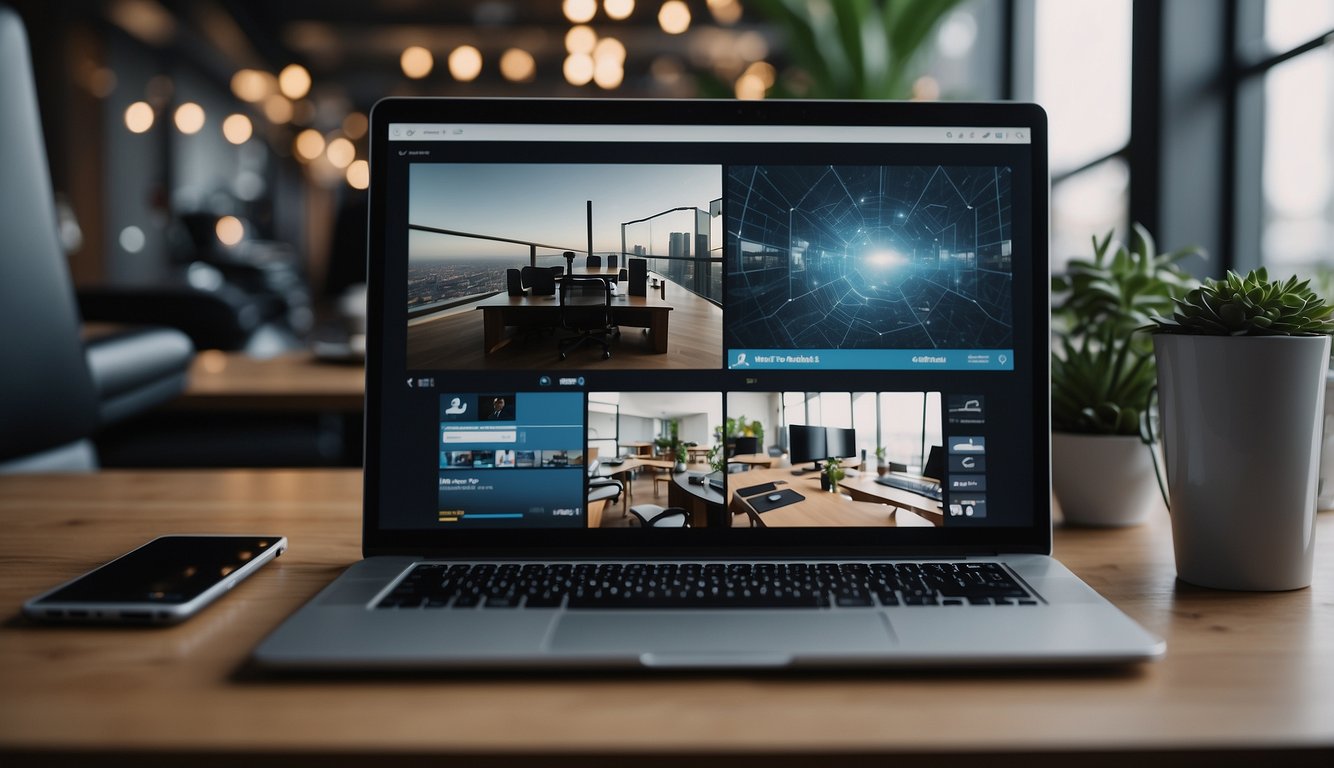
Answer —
708 542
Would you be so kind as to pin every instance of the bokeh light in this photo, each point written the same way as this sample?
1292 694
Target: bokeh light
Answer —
189 118
139 117
417 62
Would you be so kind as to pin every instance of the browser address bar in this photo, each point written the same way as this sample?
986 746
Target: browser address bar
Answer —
859 134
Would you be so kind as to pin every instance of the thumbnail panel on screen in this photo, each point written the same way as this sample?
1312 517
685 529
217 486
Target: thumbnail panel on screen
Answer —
905 267
652 454
847 459
544 265
511 459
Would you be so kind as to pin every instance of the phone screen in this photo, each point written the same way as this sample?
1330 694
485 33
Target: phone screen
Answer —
166 571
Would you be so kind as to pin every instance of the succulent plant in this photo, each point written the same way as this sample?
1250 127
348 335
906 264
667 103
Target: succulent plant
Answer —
1249 306
1102 371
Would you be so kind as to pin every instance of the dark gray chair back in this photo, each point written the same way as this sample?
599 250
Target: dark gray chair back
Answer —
541 281
513 283
47 396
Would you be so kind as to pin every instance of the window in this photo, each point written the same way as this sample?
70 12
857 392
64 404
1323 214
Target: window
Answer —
1081 76
1297 220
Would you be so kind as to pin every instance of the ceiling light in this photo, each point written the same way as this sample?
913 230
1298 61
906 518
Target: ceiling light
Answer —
359 174
517 65
725 11
229 230
608 74
355 125
237 129
294 81
417 62
139 117
580 39
749 87
252 85
308 144
609 48
341 152
278 109
465 63
764 71
674 17
189 118
579 11
618 9
578 68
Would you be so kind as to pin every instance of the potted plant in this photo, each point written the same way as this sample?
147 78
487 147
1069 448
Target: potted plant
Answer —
1102 374
716 458
832 475
1241 385
881 465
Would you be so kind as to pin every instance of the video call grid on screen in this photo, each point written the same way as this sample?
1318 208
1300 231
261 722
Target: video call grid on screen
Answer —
718 259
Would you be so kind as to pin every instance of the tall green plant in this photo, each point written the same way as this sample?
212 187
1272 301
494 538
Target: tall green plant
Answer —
1102 371
853 49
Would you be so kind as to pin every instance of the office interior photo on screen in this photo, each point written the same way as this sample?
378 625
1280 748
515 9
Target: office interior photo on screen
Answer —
653 345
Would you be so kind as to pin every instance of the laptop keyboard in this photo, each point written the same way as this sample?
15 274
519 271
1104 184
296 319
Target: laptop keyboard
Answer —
928 488
704 585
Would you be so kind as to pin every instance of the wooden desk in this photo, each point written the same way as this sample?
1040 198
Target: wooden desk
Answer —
1245 674
860 502
611 272
753 459
231 381
503 310
629 465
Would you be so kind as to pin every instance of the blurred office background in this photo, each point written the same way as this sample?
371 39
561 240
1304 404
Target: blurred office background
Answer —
212 154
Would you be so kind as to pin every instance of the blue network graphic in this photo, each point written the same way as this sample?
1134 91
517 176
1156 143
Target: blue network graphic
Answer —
877 257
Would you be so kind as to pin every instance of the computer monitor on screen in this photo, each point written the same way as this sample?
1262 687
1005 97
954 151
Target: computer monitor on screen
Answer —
840 443
935 463
806 444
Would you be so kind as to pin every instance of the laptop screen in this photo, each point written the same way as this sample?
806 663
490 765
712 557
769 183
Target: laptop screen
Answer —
594 320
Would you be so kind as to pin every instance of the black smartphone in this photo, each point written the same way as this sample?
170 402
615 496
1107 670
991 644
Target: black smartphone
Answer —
165 581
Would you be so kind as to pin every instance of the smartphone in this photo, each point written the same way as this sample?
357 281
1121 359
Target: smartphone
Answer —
165 581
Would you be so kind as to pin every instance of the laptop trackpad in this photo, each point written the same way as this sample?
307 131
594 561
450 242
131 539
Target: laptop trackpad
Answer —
692 636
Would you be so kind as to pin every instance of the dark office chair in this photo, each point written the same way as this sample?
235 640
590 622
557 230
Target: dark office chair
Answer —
56 390
611 261
514 282
593 262
540 281
585 309
600 488
654 516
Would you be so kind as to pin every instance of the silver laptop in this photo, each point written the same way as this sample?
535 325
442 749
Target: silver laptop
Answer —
706 384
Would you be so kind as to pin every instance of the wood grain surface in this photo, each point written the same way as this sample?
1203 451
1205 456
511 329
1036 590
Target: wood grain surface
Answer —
1243 673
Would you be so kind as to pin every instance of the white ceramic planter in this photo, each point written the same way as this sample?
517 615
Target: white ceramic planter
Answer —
1325 500
1103 480
1241 420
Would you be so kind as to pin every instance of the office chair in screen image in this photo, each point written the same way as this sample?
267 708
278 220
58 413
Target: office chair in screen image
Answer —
654 516
585 310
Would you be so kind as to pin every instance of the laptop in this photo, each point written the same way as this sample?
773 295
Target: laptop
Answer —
801 289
